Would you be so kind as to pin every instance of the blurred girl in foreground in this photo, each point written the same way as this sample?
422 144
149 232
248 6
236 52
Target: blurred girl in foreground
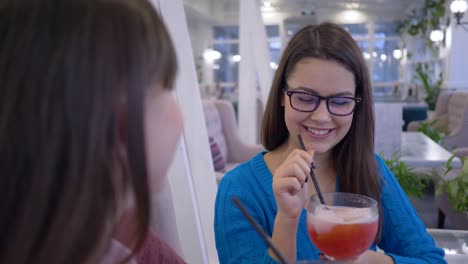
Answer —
88 127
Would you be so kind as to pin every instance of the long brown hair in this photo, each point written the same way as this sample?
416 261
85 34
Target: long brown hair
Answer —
73 77
353 157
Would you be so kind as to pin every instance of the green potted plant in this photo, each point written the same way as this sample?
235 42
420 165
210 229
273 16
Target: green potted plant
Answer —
431 87
419 24
456 188
422 21
413 183
452 195
431 130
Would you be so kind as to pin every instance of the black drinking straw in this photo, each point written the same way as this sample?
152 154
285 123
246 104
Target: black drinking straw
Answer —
259 230
312 174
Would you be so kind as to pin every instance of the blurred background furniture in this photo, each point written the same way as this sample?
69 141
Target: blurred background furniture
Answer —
222 127
440 112
413 112
419 151
457 122
451 115
445 208
453 242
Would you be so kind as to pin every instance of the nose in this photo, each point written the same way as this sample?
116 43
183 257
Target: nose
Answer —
321 113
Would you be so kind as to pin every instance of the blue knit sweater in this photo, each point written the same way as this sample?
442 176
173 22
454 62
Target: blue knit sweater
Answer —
404 236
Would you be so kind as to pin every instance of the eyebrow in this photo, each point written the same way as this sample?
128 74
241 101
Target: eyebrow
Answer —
312 91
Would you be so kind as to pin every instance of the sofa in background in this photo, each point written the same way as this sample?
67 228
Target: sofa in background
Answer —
439 115
225 140
451 115
445 209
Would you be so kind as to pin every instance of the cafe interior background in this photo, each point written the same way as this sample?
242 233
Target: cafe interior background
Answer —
228 50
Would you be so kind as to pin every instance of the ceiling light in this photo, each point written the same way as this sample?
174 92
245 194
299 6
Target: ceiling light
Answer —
353 5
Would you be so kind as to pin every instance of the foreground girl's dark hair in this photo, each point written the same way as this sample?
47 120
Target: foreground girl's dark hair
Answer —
73 77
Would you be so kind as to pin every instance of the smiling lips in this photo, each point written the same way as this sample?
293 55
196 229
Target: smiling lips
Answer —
319 132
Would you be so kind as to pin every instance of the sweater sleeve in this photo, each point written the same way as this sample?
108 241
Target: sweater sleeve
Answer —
404 236
155 250
236 239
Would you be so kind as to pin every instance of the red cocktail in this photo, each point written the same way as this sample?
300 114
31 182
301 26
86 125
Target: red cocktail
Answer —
345 226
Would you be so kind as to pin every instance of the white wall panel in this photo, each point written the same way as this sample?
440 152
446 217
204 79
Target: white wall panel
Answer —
191 175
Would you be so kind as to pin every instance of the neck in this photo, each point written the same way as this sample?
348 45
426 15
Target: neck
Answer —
323 160
324 172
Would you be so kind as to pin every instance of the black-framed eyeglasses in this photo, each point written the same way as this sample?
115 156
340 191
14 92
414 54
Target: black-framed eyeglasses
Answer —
303 101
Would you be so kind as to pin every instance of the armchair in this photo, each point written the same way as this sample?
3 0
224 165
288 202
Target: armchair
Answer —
457 122
222 127
440 112
451 115
445 209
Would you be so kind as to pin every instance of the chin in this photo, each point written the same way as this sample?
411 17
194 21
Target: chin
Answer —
321 151
321 147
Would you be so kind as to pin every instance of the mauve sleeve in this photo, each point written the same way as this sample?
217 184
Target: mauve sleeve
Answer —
155 250
116 253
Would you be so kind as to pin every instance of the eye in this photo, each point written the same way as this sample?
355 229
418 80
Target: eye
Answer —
340 101
306 98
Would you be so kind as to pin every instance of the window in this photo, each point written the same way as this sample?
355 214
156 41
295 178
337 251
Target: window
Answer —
226 33
377 42
226 41
358 31
385 67
227 66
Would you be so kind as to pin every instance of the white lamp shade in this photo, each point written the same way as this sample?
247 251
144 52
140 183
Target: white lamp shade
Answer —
397 54
210 55
436 35
458 6
236 58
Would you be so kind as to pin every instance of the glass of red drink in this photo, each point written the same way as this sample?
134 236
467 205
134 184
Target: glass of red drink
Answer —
345 226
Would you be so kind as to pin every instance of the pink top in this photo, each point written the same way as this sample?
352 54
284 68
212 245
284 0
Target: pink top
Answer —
153 250
116 253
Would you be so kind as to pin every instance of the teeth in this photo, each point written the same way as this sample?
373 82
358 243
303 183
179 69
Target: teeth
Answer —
318 132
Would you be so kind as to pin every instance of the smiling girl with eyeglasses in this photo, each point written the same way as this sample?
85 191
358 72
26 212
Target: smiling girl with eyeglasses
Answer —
321 91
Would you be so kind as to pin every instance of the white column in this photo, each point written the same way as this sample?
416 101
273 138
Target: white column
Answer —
247 84
255 62
191 175
457 60
208 73
388 128
262 57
